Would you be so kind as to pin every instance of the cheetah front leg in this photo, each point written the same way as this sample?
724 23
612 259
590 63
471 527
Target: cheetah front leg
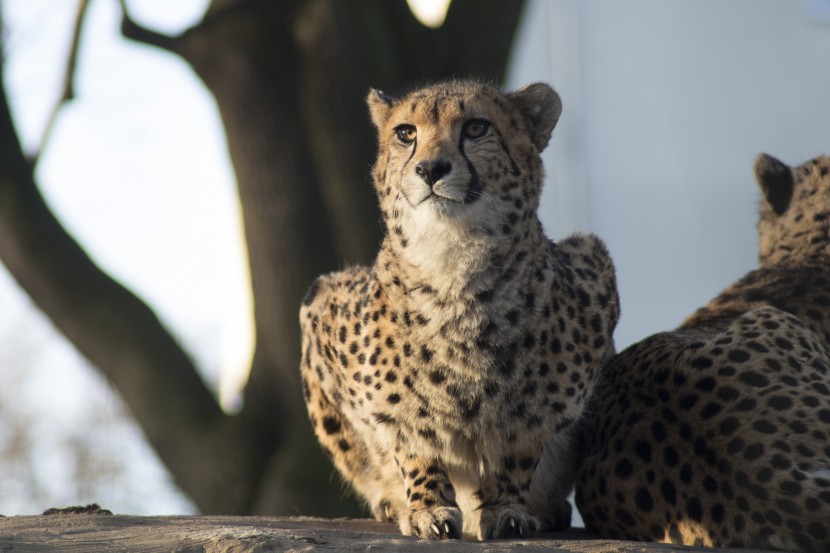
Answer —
432 512
362 463
503 495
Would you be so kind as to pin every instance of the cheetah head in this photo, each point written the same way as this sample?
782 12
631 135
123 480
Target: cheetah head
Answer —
462 152
795 212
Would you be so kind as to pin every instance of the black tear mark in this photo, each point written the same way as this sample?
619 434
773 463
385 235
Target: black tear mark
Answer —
475 187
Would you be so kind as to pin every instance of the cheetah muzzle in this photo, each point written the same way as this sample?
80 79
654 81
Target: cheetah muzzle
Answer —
445 379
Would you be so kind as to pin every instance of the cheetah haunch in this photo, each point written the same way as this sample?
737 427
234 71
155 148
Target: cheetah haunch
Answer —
444 380
718 433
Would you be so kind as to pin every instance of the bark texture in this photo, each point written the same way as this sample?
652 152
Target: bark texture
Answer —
289 79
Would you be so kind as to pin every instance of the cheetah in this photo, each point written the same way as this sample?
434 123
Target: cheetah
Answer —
444 380
718 433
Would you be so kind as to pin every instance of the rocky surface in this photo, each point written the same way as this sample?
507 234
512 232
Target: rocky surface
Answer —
97 531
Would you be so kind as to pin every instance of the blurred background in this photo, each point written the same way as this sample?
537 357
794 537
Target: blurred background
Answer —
211 157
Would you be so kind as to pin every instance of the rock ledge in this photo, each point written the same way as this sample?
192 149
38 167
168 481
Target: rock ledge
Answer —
100 532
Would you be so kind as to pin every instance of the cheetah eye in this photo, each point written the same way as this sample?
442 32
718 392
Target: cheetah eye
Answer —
475 128
406 133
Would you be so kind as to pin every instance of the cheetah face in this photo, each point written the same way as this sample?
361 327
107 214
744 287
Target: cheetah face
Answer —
449 151
795 212
436 164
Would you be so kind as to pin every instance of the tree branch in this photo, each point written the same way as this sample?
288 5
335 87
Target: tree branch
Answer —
124 339
68 91
134 31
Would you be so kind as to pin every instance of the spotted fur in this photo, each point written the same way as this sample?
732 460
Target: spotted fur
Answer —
718 433
445 378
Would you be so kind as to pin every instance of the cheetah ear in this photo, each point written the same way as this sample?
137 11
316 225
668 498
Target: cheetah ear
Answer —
380 105
776 181
540 105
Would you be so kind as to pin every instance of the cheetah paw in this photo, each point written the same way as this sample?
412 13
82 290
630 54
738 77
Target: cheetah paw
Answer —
559 517
509 521
438 523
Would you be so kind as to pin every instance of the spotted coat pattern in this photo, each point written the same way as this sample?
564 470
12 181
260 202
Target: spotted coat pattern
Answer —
444 379
718 433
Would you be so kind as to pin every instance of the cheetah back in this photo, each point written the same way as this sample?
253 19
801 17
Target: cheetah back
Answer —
718 433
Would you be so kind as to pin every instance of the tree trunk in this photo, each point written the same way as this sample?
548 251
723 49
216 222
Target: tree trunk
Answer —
290 79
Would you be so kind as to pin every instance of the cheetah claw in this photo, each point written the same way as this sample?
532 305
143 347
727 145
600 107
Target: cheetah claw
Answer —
438 523
507 522
446 533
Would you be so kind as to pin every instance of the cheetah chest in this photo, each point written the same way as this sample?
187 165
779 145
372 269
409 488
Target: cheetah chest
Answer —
463 390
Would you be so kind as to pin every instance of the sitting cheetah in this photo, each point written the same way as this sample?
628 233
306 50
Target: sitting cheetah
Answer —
718 433
445 376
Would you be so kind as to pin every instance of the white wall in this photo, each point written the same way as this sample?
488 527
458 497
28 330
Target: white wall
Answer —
666 104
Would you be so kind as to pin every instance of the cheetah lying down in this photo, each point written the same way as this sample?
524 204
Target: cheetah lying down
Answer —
444 380
718 433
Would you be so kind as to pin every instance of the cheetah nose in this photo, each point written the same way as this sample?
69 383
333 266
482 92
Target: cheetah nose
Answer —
433 170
